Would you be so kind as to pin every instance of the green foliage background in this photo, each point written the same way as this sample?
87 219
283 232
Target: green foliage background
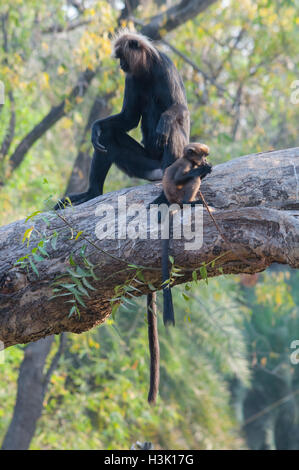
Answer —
227 333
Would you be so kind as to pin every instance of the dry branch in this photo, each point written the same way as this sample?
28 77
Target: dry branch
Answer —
256 204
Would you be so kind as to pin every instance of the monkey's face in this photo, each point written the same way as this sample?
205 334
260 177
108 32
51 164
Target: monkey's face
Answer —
197 153
132 56
122 60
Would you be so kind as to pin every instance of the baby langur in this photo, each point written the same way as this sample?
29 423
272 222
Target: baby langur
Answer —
181 183
182 179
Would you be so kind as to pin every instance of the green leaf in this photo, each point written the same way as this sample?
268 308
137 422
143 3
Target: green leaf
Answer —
73 273
204 273
27 234
38 258
32 215
81 272
78 311
43 251
67 199
78 234
22 258
140 276
68 286
34 268
151 287
54 240
86 283
88 263
71 260
81 288
78 297
114 310
72 310
47 222
82 251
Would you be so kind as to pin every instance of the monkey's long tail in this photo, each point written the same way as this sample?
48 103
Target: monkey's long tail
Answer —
153 341
168 312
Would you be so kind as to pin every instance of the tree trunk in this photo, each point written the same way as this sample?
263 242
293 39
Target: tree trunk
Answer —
30 396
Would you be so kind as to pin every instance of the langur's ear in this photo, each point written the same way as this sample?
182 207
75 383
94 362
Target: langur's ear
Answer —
133 44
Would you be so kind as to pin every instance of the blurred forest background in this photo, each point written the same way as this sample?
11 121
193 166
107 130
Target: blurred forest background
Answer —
227 381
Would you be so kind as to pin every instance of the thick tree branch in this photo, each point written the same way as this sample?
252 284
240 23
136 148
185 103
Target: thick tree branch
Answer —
56 113
174 17
5 146
256 204
30 396
58 28
12 121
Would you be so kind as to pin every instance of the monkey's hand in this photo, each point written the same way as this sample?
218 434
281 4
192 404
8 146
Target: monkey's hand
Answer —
205 170
95 135
202 171
163 130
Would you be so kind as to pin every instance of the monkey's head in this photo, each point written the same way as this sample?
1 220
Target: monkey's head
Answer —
197 153
135 53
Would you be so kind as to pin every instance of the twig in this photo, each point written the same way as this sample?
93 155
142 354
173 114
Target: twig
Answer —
250 263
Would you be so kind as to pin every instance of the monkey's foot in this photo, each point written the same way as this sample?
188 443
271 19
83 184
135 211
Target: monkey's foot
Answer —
74 200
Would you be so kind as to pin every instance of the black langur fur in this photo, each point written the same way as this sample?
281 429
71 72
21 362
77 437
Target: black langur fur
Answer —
181 183
155 94
182 180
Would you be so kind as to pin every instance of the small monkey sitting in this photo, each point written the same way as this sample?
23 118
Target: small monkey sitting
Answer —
182 179
181 183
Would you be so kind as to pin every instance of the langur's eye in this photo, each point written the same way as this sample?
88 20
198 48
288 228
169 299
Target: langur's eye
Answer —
190 151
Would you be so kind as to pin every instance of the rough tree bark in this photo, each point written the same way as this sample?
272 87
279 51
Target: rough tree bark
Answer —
256 204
